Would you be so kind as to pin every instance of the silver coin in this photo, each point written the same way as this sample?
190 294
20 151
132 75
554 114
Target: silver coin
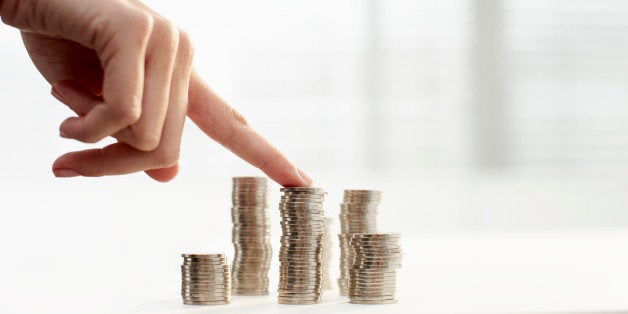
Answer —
298 302
203 262
206 280
223 302
382 236
220 291
250 292
206 297
298 294
204 266
372 291
203 286
203 255
294 189
370 284
294 297
205 272
300 290
209 301
373 281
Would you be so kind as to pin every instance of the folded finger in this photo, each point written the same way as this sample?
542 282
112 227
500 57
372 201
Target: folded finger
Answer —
145 134
123 63
78 99
121 158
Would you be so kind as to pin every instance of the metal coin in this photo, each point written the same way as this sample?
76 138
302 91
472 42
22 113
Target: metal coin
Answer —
207 302
204 255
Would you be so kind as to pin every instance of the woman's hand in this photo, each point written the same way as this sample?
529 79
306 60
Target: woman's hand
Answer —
127 72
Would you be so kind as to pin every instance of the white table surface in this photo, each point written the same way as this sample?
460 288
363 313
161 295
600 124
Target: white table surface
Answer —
585 272
95 247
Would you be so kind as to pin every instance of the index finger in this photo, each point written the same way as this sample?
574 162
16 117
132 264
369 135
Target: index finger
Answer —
226 126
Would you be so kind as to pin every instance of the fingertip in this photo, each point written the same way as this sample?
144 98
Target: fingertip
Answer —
163 175
296 178
61 162
66 126
307 181
72 128
65 173
62 167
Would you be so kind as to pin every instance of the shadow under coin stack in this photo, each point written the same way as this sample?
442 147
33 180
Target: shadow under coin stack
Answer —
251 236
327 245
373 276
358 214
205 279
303 228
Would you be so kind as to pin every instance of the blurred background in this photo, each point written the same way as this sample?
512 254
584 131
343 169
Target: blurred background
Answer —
470 115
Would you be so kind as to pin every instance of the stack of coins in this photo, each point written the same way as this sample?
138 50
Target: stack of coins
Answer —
303 228
358 214
327 245
205 279
373 275
251 236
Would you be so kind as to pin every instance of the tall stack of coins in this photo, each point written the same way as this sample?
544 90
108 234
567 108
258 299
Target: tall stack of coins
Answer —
303 228
358 214
205 279
251 236
373 275
327 245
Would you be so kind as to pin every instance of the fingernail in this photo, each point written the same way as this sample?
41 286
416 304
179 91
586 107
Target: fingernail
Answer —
304 176
65 173
56 94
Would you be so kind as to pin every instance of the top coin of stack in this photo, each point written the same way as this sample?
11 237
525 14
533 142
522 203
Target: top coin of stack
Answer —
251 236
303 228
205 279
358 214
373 275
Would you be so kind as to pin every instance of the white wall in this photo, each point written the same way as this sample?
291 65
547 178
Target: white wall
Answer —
376 95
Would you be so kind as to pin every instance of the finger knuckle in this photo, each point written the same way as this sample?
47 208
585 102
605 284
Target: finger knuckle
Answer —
168 34
142 25
238 126
145 140
165 158
129 110
271 162
238 119
88 138
186 47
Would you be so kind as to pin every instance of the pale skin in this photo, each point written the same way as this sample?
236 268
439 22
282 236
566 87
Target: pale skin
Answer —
127 73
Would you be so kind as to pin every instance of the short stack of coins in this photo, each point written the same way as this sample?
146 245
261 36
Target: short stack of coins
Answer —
358 214
373 275
327 246
251 236
205 279
303 228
